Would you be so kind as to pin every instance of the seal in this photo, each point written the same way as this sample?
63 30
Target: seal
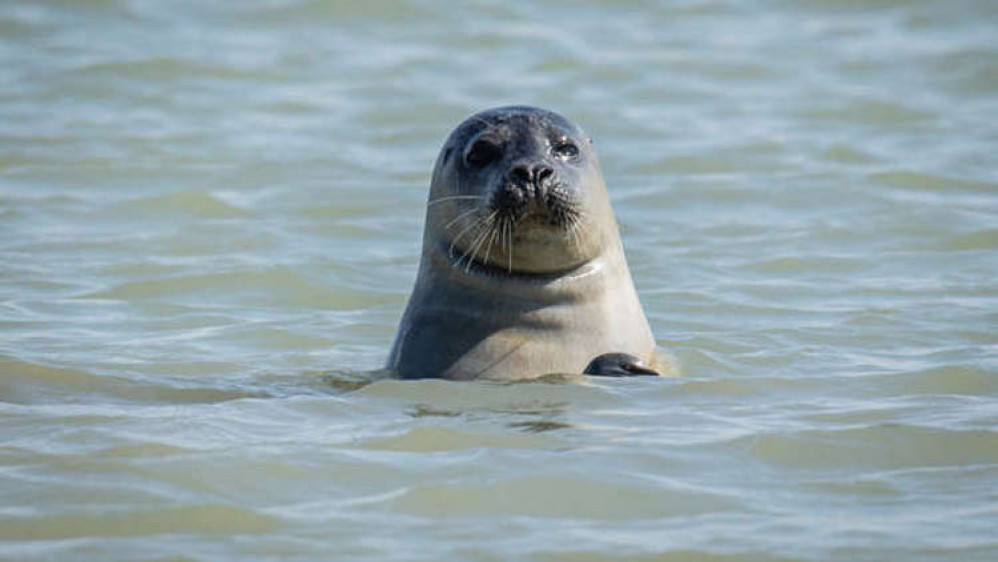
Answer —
618 365
522 271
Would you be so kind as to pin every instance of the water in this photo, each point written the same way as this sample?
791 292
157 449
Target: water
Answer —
209 226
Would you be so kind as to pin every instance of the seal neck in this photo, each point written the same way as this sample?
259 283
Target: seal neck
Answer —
571 285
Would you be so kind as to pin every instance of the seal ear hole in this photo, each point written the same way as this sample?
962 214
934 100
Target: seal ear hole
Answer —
447 154
482 153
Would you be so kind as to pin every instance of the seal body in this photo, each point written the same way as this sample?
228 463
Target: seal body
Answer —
522 271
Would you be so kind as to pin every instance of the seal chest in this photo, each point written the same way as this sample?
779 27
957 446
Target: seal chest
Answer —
522 271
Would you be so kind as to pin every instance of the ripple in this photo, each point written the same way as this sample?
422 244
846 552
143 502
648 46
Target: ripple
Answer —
882 447
166 69
980 240
957 380
873 112
930 182
810 264
561 496
190 202
26 383
430 439
209 224
678 555
211 519
283 286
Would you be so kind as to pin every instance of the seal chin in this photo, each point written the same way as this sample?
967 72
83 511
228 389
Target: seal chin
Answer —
513 259
468 266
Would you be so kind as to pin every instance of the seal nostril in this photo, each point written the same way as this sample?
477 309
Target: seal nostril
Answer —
542 173
526 175
520 174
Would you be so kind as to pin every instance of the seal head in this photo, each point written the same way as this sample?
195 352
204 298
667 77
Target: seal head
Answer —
511 190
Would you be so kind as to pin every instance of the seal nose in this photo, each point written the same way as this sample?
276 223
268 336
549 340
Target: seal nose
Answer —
535 174
524 183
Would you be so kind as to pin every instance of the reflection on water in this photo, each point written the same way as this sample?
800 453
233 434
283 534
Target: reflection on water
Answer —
210 219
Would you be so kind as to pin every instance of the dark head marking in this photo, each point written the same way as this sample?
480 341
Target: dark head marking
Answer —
528 157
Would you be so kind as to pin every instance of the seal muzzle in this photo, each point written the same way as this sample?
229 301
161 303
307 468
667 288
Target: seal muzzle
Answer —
533 190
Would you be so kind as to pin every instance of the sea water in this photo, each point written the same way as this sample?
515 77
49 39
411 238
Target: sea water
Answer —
210 221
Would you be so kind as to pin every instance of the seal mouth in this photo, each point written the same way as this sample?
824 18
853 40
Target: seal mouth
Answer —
551 206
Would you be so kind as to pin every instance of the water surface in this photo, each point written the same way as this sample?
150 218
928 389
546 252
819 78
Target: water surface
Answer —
209 226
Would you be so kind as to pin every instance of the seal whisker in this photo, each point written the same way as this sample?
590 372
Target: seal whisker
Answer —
451 198
459 217
508 228
472 249
574 227
493 232
502 234
490 231
476 243
570 234
468 252
450 250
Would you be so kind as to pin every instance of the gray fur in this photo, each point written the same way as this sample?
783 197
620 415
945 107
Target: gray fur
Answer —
539 294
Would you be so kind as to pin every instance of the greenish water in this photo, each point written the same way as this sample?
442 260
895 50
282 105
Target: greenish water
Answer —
209 226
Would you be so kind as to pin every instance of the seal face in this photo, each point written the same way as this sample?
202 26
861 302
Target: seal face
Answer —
522 271
515 194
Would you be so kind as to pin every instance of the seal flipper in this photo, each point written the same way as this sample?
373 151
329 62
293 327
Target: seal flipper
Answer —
619 365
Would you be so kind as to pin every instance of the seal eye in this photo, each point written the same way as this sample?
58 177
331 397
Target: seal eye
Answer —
566 150
482 153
